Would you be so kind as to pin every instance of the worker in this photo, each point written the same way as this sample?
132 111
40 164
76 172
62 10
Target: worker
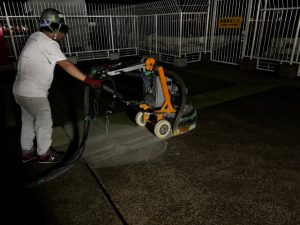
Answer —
35 72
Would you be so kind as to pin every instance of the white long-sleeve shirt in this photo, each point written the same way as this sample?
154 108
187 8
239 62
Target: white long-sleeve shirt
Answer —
36 66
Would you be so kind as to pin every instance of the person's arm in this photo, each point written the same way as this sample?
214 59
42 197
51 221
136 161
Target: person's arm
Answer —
71 69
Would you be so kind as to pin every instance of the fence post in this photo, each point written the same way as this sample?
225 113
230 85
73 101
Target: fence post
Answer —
255 29
68 41
207 25
3 50
10 32
136 33
212 35
112 34
262 27
295 43
156 23
180 35
246 31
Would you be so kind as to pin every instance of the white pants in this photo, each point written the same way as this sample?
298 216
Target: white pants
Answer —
36 122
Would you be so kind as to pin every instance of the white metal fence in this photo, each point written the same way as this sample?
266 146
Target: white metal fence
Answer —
172 30
96 30
165 28
274 33
267 30
228 24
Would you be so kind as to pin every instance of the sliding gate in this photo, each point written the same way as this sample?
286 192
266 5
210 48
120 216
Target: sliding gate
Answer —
275 34
228 33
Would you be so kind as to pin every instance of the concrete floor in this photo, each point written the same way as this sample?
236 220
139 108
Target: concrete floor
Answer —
240 165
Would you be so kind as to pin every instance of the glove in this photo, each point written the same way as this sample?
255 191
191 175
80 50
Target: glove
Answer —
94 83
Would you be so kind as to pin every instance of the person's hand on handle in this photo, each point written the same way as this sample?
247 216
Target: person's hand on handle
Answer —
94 83
71 69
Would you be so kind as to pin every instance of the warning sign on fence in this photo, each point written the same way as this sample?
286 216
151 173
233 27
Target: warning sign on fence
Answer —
230 22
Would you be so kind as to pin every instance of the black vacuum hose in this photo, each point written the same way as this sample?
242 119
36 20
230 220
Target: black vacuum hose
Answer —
183 88
73 154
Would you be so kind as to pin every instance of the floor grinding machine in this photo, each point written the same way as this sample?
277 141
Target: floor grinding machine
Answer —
163 104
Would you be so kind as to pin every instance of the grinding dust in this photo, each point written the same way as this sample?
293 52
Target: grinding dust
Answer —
124 144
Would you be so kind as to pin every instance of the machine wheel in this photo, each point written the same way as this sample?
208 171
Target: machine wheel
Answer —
139 119
162 128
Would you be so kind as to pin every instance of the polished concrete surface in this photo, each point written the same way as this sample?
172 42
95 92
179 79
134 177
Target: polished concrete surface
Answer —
240 165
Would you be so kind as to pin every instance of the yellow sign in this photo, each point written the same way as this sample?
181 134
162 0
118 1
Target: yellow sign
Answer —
230 22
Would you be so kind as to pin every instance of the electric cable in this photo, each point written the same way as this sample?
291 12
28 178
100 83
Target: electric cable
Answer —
64 166
76 147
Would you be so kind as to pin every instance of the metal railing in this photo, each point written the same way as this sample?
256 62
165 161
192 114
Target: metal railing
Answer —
274 33
96 30
267 30
171 30
228 24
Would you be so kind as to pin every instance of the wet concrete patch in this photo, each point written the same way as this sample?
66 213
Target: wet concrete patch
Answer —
239 166
124 143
